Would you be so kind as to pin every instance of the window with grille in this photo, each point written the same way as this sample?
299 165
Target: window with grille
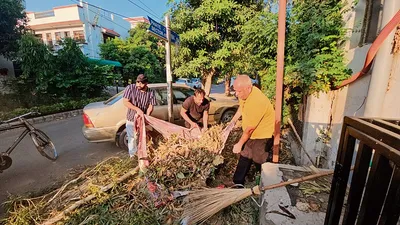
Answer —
79 36
67 34
49 39
58 36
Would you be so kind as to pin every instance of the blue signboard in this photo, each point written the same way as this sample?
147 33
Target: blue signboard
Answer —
174 37
161 31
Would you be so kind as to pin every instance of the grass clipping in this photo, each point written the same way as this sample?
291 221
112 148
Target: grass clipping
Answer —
177 165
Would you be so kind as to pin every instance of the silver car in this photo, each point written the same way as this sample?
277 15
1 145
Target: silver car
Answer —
105 121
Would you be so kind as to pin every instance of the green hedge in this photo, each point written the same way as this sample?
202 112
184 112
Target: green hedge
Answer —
51 109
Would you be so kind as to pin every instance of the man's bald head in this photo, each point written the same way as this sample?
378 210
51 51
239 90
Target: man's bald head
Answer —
243 81
242 86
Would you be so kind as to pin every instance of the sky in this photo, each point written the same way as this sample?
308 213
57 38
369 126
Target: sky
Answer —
124 7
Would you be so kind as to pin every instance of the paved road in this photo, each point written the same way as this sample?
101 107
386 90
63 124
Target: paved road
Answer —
31 172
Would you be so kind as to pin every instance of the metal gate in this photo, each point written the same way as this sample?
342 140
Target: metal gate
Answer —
373 195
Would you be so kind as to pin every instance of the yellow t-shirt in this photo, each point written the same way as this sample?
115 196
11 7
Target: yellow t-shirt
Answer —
257 111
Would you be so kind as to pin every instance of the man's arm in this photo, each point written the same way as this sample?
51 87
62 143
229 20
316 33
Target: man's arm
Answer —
149 110
245 136
153 102
205 120
186 118
129 105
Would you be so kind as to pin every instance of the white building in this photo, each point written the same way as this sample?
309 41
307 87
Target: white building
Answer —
87 24
134 21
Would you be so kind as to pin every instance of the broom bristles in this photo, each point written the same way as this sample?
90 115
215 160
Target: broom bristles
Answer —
203 204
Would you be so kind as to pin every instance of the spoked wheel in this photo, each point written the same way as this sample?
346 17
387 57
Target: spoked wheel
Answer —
43 144
5 162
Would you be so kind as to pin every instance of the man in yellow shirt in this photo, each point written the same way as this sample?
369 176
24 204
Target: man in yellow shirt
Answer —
258 118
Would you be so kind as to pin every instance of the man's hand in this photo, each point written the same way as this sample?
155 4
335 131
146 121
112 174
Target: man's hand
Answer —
193 125
140 112
237 148
204 129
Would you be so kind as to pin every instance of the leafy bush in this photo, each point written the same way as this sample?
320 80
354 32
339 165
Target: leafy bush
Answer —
49 77
139 53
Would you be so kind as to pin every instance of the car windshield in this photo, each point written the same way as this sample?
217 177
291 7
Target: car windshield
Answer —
181 81
114 98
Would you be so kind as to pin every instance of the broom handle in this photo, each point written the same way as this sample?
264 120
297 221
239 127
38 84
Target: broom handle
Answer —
299 180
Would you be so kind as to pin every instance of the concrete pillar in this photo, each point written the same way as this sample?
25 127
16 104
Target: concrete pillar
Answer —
382 66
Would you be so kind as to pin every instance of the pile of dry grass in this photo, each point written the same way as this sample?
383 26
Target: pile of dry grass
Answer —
150 198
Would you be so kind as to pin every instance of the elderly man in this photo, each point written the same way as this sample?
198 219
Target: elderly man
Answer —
139 99
258 117
195 110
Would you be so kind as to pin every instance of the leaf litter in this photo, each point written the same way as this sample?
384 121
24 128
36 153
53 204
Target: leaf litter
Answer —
154 197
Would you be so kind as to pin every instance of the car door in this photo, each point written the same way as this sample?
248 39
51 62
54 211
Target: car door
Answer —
180 95
161 109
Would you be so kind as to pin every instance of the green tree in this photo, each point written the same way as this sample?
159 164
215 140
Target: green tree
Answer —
37 64
210 35
139 53
77 77
314 61
47 77
12 25
314 39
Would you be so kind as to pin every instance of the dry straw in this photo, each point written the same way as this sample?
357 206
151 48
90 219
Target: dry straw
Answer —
200 205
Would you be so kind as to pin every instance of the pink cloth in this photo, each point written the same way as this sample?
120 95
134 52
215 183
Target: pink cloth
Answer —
167 129
141 131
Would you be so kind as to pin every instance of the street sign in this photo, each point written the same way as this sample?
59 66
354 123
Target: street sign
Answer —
174 37
157 29
160 31
168 36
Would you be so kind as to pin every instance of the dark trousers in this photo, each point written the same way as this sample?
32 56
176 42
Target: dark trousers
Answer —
244 164
242 168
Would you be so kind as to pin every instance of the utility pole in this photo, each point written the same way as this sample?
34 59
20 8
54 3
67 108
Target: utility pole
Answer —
279 78
168 68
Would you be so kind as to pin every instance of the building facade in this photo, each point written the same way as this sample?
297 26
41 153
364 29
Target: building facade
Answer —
373 95
134 21
86 24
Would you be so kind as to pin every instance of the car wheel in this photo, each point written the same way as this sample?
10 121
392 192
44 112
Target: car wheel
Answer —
123 140
227 116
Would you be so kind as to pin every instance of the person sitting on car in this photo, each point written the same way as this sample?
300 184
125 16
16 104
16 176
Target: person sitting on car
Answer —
195 110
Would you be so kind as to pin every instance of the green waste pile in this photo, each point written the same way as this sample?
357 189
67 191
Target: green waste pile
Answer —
154 197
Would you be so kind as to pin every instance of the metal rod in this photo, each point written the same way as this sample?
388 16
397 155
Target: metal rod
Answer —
279 78
168 68
301 142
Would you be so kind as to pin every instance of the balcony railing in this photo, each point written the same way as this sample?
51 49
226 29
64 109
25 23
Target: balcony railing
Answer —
374 192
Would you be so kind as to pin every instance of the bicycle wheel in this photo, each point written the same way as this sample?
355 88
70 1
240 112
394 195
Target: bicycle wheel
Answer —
43 144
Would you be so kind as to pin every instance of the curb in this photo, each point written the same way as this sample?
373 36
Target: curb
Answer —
57 116
47 118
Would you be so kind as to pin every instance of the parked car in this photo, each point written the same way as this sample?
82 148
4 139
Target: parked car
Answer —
105 121
253 81
196 83
193 83
184 81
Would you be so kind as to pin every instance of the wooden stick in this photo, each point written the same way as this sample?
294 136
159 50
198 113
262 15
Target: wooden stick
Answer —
299 180
79 203
301 142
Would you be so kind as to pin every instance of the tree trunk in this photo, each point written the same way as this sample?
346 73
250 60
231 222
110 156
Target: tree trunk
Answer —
208 75
228 85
